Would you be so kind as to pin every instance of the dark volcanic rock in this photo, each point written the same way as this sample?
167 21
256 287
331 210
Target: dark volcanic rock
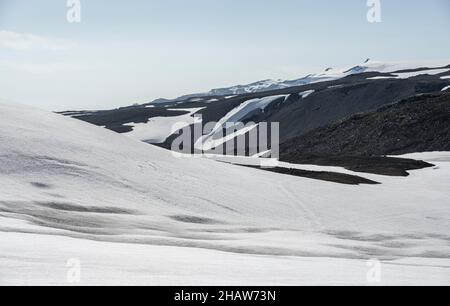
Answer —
417 124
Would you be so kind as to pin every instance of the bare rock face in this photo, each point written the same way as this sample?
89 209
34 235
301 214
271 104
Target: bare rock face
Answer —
417 124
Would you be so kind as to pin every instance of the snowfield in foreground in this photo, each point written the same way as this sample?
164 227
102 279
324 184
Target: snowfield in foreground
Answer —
131 213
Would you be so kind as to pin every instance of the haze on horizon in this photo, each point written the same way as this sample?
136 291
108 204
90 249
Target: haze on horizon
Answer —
120 54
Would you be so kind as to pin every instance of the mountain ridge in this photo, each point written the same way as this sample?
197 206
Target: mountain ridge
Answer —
329 74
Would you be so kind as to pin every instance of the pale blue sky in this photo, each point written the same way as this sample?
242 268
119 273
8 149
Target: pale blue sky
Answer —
134 51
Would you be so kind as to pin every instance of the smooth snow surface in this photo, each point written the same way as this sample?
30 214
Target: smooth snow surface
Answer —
158 129
132 213
388 67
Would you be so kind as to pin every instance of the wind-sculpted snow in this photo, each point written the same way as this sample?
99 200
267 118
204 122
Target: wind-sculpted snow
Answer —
133 213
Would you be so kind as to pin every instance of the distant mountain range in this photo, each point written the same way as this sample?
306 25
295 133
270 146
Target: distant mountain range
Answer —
312 103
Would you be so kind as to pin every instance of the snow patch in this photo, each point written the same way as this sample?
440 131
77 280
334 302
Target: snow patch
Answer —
238 114
407 75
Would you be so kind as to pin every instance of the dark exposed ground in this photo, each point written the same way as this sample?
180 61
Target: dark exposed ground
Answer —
117 119
417 124
356 95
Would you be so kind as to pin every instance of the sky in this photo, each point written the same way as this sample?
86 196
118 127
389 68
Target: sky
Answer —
126 52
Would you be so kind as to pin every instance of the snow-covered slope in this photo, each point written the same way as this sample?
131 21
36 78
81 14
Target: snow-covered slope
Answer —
313 105
133 213
216 138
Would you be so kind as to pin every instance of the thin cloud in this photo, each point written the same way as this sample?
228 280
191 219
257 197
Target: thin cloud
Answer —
42 68
20 41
